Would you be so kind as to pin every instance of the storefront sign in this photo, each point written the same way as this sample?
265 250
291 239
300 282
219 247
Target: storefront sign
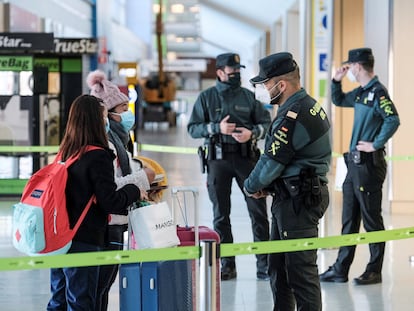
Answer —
76 46
52 64
16 63
26 41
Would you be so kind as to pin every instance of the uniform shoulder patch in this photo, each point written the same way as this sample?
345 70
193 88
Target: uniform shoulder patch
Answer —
385 104
291 114
279 146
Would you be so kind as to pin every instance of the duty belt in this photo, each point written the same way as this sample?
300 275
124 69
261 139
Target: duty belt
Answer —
360 157
305 192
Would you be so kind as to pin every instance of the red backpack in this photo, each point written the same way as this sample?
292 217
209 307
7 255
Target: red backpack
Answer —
40 220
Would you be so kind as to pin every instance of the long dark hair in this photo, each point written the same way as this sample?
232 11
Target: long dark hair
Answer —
85 126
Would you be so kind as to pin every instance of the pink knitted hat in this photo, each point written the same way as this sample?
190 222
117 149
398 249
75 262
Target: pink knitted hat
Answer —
104 89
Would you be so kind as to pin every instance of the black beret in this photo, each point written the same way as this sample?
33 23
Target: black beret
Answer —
228 59
274 65
361 55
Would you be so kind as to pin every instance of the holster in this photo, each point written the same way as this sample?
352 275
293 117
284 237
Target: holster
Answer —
305 189
214 149
311 188
294 186
357 157
203 159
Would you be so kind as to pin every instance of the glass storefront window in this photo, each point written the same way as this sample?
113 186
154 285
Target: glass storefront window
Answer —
7 85
26 83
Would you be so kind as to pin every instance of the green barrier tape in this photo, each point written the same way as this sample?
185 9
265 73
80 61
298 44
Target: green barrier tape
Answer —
191 252
169 149
227 250
28 149
99 258
336 155
400 158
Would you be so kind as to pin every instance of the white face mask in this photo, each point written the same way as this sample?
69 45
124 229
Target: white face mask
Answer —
261 94
350 76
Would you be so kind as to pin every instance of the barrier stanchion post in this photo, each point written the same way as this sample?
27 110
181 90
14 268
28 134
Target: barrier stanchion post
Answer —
208 275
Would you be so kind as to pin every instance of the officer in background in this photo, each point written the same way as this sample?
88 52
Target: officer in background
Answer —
231 120
293 169
375 121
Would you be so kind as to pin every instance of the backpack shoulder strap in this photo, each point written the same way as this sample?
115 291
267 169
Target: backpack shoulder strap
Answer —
83 215
75 157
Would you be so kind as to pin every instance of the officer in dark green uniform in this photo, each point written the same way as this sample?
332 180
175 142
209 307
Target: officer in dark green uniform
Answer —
375 121
293 169
231 120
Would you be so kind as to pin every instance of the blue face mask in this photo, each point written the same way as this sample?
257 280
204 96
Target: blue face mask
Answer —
127 120
106 125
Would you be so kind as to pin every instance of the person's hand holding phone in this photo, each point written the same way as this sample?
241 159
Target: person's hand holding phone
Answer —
226 127
241 134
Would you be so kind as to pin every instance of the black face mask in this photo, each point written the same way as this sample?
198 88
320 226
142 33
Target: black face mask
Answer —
234 79
275 100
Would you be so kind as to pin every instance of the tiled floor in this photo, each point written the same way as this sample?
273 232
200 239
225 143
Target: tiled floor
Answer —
29 290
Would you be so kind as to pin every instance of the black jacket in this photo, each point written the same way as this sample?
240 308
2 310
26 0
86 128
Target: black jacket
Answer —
92 174
214 103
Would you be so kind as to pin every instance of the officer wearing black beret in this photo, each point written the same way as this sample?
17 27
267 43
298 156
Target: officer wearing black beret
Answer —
375 121
293 170
231 121
230 60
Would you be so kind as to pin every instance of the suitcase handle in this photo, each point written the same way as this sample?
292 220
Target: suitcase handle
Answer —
175 190
194 191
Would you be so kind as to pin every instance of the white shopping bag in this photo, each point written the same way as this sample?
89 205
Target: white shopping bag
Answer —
153 226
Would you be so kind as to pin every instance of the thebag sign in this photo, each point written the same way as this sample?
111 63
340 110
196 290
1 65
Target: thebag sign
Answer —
76 46
15 41
16 63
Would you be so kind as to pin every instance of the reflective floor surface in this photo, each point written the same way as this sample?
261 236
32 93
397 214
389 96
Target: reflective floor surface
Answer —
29 290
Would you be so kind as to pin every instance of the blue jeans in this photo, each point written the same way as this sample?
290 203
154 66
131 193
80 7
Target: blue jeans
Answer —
107 273
74 289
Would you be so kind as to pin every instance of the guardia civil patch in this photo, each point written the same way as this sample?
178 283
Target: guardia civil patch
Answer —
279 148
386 105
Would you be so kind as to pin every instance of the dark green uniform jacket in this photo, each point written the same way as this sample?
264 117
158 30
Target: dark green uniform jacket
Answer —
298 139
216 102
375 116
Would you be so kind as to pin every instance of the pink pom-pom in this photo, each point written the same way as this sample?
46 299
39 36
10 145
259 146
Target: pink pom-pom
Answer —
95 77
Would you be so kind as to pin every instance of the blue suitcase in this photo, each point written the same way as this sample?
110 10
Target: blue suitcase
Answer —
167 286
163 285
130 287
